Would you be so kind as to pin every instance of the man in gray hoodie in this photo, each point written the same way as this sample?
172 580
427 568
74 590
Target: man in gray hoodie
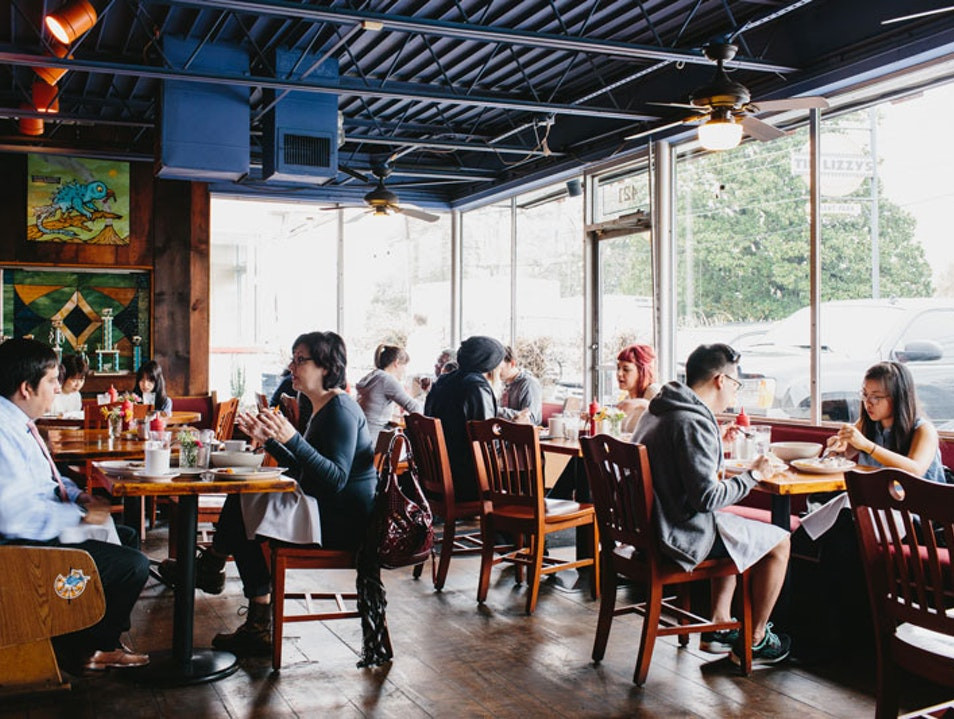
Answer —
684 443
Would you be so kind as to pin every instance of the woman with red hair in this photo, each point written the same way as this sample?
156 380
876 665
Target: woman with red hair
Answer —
636 376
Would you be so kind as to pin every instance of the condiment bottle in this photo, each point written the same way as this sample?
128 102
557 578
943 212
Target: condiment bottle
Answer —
127 412
744 444
113 394
157 424
594 410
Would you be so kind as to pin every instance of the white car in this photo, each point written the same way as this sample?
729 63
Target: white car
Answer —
855 334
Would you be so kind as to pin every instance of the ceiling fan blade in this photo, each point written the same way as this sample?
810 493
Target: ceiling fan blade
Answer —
355 174
660 128
791 103
916 15
760 130
416 214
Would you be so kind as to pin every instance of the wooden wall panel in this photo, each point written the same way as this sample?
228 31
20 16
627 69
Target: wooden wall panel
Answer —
169 233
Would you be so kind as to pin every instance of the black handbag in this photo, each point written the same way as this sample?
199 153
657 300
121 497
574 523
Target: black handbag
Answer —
404 520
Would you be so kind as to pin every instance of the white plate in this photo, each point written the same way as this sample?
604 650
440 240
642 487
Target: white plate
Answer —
191 471
164 477
737 466
819 466
223 473
119 467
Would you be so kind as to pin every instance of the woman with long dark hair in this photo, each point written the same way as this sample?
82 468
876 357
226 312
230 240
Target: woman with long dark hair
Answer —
890 431
149 379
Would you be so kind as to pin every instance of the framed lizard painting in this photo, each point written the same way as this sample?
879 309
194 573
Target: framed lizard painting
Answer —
72 199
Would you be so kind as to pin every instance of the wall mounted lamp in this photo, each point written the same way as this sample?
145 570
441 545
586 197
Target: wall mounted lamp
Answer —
73 19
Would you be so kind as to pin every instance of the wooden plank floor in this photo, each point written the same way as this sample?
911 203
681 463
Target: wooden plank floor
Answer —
457 659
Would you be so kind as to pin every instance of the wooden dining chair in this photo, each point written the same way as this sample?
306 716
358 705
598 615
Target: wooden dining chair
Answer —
44 592
905 528
429 453
289 407
622 487
510 475
224 422
284 557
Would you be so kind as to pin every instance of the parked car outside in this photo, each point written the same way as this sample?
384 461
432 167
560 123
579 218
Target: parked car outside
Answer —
855 334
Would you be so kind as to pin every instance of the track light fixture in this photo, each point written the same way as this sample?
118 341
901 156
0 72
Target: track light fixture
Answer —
52 75
32 126
74 18
45 97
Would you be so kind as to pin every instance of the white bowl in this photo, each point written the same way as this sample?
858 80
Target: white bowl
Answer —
237 459
787 451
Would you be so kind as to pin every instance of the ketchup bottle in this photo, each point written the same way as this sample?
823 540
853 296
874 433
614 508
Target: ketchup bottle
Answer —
594 409
157 424
113 394
744 445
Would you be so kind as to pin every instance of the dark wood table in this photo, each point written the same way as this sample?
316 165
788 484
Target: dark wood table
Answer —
184 664
175 419
81 445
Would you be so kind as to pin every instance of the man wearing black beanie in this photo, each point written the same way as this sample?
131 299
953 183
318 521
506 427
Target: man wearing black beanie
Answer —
463 395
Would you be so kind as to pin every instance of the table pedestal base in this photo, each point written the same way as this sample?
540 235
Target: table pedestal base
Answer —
207 665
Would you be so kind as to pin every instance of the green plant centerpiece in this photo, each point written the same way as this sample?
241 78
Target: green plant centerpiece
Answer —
189 444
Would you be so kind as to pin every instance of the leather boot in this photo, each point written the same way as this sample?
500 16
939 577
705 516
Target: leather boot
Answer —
209 572
254 638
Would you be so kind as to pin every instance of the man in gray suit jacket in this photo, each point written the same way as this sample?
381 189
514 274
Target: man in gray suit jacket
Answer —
684 443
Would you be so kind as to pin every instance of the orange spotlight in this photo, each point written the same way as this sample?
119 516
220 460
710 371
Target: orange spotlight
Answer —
71 20
45 97
30 125
52 75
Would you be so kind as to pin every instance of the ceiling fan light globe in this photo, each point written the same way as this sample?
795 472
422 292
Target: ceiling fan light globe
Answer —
718 134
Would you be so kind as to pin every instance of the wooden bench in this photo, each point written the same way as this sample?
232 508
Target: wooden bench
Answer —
44 592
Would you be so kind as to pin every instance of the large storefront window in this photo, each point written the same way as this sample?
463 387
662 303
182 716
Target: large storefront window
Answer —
396 289
549 291
271 280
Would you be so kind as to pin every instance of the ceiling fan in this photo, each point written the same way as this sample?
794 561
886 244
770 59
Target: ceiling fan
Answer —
725 108
380 200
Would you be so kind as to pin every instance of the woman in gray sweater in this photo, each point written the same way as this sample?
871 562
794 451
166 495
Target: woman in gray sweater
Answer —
384 385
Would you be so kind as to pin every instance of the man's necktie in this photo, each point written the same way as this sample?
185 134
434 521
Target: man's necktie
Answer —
46 453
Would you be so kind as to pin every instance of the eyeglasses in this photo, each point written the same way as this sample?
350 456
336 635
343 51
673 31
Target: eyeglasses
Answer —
300 360
738 384
873 398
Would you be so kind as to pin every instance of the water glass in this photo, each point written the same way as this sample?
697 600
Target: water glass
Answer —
763 438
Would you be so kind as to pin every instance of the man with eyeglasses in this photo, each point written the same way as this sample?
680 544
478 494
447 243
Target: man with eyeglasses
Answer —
684 442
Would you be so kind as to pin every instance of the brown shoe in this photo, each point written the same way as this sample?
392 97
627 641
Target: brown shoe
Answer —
116 659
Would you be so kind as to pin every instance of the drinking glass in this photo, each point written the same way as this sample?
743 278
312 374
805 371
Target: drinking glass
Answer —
763 438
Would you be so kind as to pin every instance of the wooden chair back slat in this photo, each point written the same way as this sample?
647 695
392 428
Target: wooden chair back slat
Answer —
900 519
619 478
905 528
429 450
507 462
225 418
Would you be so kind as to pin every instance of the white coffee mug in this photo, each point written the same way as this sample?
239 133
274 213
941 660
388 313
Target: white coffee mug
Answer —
556 426
157 459
234 445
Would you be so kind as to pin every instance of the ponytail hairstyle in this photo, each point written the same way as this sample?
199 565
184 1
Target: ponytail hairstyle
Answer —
899 386
386 355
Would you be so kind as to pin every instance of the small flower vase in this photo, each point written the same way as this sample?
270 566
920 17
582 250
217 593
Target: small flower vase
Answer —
188 455
115 423
615 425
